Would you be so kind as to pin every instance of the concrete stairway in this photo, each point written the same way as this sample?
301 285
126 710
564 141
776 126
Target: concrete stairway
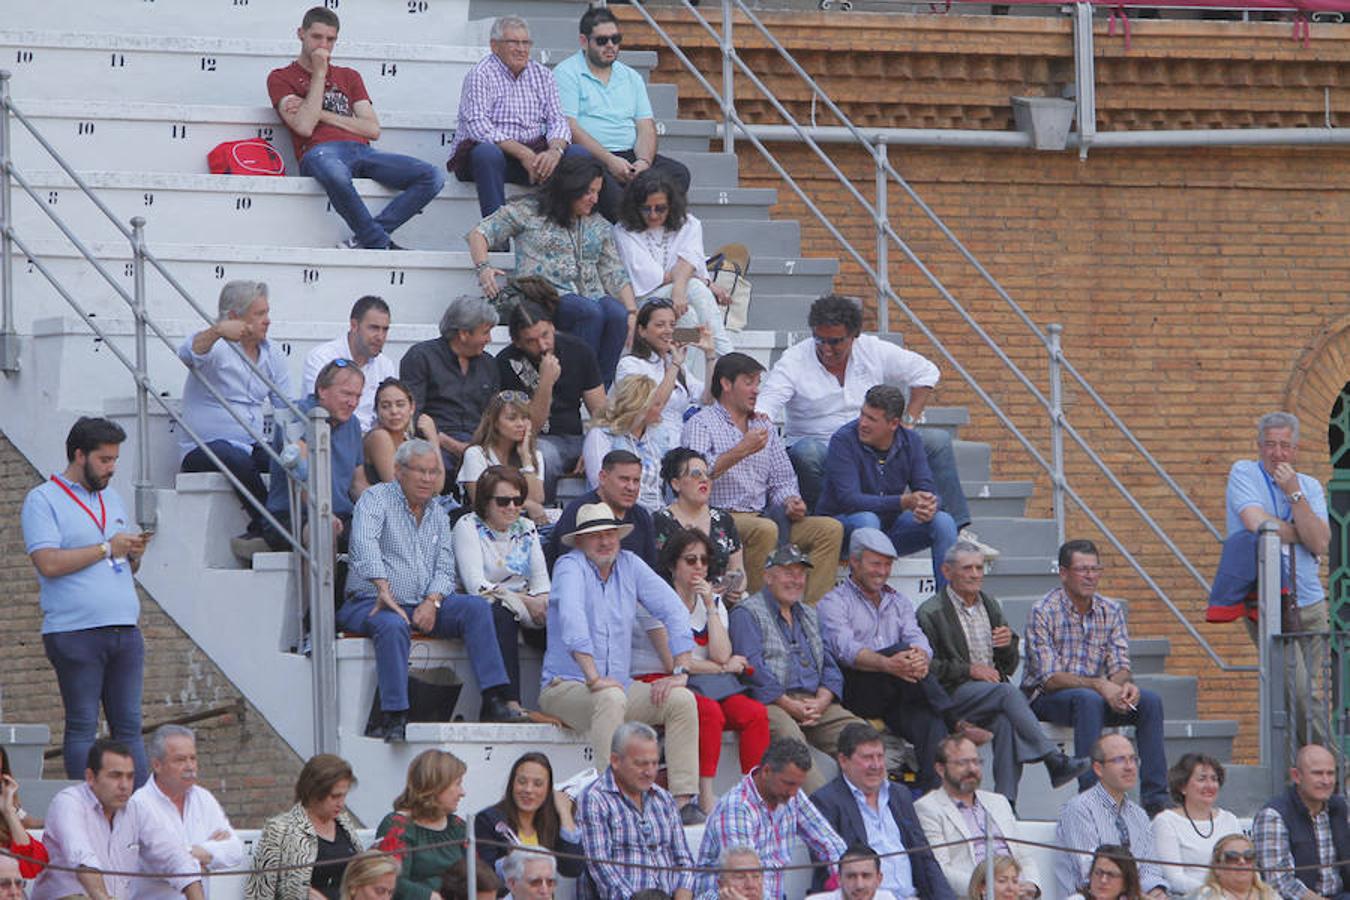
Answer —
25 745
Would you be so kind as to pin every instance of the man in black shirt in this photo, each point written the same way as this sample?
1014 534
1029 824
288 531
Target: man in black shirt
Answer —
620 479
559 372
452 378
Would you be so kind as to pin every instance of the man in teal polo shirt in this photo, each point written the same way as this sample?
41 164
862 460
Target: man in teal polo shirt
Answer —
605 103
85 548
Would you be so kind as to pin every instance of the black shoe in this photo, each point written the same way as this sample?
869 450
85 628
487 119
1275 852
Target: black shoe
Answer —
393 246
1064 768
396 727
495 709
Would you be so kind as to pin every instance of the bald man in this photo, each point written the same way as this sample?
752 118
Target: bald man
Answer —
1305 826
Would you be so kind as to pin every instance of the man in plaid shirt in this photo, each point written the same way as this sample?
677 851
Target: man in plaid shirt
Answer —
768 811
629 824
1077 670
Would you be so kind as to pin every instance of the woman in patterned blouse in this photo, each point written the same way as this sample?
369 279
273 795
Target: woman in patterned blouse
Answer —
560 238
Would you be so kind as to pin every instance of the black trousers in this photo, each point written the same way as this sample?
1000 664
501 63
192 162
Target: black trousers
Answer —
914 710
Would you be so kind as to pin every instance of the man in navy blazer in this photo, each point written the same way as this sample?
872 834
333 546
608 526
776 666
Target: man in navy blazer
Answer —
865 808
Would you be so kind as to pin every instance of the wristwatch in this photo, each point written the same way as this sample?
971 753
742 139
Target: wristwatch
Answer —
679 670
1296 496
106 548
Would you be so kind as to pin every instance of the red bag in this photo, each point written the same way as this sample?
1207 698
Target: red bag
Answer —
251 157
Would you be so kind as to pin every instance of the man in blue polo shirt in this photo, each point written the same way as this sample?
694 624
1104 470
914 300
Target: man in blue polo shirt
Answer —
85 549
605 103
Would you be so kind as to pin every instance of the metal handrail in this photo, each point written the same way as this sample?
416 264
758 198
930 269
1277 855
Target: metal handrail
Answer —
726 103
316 490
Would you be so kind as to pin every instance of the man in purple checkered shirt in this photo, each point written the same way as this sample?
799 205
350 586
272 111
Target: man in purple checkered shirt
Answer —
511 125
1077 670
625 817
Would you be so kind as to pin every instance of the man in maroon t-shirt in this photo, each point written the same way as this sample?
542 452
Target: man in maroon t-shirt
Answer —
332 122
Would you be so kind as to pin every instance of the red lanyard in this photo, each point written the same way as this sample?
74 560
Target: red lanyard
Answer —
101 521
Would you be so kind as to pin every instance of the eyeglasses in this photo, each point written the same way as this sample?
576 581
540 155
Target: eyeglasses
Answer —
830 342
540 882
603 39
1106 874
1232 856
425 473
1086 570
695 560
513 500
1130 758
517 43
655 209
514 396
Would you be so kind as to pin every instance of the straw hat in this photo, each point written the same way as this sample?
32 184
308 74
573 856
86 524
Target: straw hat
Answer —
593 518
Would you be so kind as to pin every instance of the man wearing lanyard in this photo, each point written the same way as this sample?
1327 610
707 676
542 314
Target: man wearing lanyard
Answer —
1269 489
81 542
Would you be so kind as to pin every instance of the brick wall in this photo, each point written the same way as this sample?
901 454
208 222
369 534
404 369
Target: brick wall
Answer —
1188 281
243 761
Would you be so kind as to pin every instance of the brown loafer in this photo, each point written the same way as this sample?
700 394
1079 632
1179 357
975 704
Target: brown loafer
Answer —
973 733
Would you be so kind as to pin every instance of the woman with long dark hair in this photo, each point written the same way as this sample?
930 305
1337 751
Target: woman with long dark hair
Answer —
559 237
661 244
657 355
531 814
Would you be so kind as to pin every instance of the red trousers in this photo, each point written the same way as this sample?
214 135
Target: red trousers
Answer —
738 713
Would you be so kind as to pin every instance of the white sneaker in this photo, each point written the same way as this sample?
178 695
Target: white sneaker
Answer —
349 244
990 553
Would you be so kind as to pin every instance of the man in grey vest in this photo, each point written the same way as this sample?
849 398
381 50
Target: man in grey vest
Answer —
793 673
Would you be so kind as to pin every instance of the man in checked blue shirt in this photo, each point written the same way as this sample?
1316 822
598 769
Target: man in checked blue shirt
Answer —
402 577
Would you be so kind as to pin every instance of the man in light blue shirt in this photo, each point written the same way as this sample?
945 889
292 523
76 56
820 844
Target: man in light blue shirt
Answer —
85 549
587 674
606 105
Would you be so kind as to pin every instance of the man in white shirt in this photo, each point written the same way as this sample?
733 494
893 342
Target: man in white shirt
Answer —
362 344
818 384
954 813
185 809
92 826
859 877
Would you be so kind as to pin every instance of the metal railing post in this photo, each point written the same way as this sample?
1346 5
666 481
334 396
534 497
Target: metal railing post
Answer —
882 219
470 866
1272 716
1085 76
145 494
988 856
1057 429
728 82
9 338
322 630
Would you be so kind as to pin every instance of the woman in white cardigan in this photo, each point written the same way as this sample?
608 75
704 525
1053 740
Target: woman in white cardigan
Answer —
1187 833
661 245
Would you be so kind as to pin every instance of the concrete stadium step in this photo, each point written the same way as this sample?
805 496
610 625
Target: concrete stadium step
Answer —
176 137
110 66
25 746
1016 536
390 21
1179 693
972 460
1148 656
1020 576
997 498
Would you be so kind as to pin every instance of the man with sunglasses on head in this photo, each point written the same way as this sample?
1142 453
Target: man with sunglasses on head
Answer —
1106 815
606 105
1077 670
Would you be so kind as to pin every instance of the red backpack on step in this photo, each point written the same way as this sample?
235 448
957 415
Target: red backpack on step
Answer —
251 157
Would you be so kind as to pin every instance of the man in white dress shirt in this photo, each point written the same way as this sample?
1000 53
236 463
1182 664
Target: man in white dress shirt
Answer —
859 877
955 811
185 808
363 344
91 827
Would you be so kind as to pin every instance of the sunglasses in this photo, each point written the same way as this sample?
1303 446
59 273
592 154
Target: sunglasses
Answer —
1232 856
699 474
513 500
830 342
603 39
692 560
343 363
514 396
655 209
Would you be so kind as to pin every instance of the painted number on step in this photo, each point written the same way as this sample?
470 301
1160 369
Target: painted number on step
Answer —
417 6
789 265
52 197
220 272
148 199
389 69
241 2
178 132
24 56
242 203
660 127
208 63
265 132
927 586
331 4
118 60
309 276
84 128
487 748
129 270
723 198
447 137
588 754
396 277
31 268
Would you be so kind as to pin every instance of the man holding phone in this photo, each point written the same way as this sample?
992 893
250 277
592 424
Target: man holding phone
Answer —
79 536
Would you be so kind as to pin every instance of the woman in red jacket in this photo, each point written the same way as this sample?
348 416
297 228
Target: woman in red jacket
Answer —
13 836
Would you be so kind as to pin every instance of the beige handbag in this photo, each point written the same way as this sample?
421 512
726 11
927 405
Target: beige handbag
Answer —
728 267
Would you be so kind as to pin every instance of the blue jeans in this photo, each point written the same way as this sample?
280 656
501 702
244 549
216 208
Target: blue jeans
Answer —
561 452
1088 713
492 169
96 665
602 323
808 461
908 536
461 616
335 163
247 467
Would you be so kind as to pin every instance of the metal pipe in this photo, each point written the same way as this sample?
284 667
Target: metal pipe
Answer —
922 137
1218 137
1057 430
1085 76
880 217
728 81
145 493
471 865
9 337
1268 566
323 634
988 855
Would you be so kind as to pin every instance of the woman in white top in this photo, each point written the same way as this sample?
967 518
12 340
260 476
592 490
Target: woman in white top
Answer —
1188 832
630 421
394 425
505 437
657 355
661 245
686 557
